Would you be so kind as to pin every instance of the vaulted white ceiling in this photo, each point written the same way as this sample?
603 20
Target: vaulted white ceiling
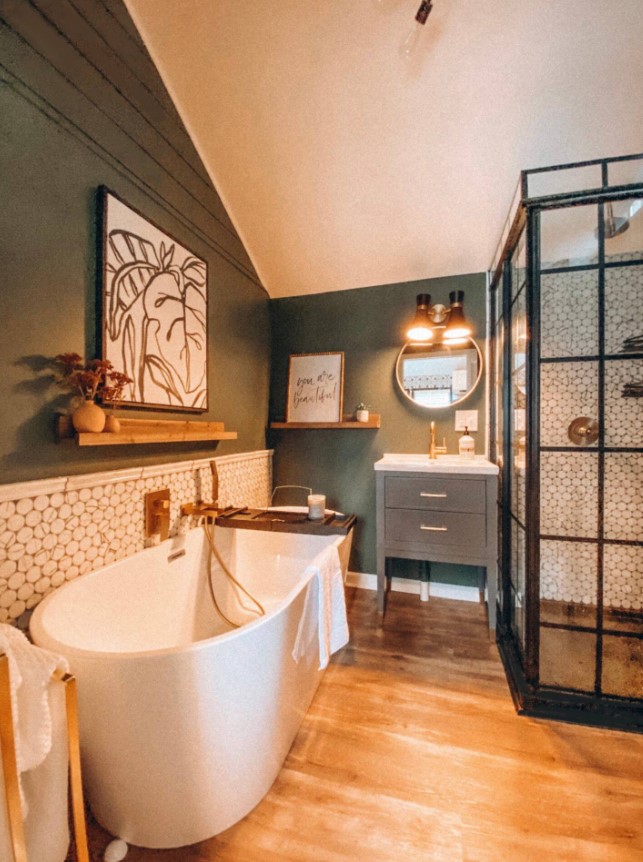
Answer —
345 163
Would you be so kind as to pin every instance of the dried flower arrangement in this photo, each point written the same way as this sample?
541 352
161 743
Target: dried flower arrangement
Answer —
93 380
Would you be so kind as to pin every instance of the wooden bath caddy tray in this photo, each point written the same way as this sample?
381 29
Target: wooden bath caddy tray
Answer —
284 522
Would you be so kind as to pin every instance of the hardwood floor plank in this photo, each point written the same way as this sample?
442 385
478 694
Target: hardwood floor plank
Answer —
338 822
412 751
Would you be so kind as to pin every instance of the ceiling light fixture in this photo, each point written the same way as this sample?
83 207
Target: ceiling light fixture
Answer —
439 323
424 11
408 46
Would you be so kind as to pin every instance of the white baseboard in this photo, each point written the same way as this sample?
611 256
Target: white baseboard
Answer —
406 585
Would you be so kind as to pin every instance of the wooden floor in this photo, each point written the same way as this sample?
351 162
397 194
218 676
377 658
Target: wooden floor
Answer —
412 752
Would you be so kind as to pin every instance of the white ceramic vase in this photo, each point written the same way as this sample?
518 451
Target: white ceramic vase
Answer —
112 424
88 418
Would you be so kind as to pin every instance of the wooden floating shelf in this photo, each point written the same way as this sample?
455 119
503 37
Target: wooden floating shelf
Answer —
347 422
135 431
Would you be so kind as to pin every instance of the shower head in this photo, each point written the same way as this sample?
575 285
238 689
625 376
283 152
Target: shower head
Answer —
614 225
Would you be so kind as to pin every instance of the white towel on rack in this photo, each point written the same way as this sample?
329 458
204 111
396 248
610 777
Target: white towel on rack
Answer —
30 671
324 608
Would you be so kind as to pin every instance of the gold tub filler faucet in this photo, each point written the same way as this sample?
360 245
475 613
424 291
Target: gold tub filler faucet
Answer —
157 515
201 508
434 450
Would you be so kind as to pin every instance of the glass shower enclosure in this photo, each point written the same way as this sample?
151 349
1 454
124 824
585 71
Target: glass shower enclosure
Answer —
566 312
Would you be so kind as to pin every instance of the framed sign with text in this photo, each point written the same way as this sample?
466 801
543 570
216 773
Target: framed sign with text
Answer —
315 387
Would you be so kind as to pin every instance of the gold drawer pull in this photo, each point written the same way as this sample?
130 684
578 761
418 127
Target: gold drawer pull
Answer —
434 529
426 494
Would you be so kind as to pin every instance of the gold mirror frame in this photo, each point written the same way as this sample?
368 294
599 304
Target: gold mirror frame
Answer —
471 389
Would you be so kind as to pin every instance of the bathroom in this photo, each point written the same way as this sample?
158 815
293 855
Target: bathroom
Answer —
84 107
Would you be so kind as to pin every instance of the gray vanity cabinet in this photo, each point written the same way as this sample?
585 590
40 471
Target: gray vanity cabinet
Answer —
439 517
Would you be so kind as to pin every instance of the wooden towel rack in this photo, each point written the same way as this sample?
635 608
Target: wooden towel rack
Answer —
10 768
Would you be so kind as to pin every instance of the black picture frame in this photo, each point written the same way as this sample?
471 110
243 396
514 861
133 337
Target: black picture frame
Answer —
154 294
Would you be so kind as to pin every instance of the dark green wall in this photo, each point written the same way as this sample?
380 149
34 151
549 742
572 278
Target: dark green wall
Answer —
81 105
368 325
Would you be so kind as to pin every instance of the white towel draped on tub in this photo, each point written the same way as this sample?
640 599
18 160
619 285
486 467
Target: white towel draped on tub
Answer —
325 595
30 671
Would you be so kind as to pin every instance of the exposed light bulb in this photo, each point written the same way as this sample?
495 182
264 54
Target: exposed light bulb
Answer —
456 333
419 333
455 341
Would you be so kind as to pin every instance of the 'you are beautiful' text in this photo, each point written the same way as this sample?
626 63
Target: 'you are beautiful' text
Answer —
316 390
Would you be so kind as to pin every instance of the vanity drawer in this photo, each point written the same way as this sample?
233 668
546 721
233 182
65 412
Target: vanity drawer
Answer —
414 526
435 492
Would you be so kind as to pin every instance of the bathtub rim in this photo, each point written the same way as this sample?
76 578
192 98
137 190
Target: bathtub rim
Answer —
51 643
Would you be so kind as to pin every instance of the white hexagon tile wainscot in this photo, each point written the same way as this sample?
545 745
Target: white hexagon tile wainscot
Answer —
53 530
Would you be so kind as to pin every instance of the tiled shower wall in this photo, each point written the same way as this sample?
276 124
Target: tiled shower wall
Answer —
569 479
53 530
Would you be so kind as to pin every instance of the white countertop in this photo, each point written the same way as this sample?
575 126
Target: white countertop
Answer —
417 463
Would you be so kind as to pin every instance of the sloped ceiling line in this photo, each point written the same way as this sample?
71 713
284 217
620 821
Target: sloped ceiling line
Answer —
343 163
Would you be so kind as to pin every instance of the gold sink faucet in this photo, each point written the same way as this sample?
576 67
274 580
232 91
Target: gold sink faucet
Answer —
434 450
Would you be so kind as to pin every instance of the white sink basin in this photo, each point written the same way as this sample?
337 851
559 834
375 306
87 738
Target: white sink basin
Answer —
412 462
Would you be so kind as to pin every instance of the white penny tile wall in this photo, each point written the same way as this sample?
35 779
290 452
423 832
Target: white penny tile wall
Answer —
56 529
569 479
568 571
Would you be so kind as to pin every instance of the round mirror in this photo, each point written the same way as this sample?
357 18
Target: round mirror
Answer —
434 375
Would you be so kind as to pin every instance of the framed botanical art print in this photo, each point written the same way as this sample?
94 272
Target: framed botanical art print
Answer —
315 387
155 311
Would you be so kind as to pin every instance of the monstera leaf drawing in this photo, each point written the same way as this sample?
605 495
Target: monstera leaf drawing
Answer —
131 262
155 309
175 316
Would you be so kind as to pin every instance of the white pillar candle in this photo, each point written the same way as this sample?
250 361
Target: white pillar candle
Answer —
316 506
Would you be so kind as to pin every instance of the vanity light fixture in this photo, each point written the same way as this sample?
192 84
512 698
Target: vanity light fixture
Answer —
439 323
457 324
421 329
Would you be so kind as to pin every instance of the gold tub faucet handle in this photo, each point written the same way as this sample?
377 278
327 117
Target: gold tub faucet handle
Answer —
208 510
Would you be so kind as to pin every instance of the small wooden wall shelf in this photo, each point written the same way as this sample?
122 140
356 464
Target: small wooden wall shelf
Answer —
347 422
134 431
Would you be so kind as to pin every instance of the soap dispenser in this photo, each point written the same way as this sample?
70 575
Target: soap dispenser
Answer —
466 445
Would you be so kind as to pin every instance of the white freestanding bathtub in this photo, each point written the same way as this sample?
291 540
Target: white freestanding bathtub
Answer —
185 722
